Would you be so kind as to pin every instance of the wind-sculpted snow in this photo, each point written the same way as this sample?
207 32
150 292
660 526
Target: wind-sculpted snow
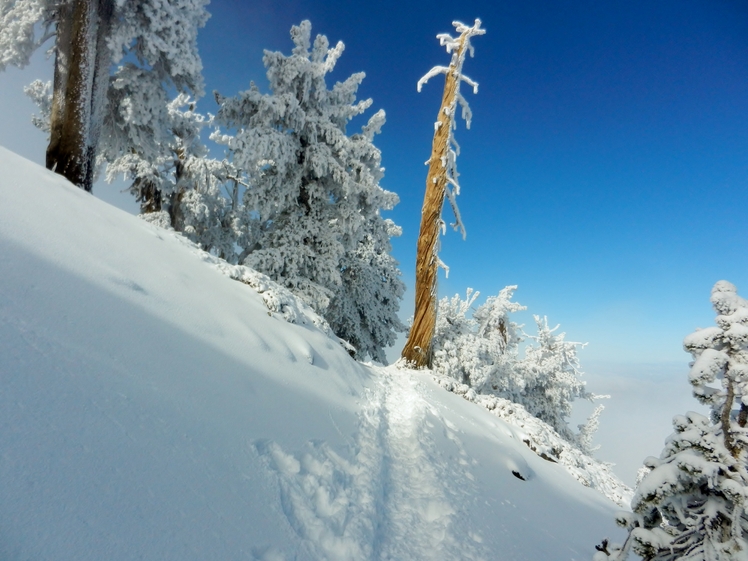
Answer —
152 408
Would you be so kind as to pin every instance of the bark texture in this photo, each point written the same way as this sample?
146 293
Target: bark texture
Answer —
417 350
79 90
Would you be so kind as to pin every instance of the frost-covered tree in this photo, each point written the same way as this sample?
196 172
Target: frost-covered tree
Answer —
441 182
159 40
313 205
482 350
691 505
364 309
179 186
547 381
478 349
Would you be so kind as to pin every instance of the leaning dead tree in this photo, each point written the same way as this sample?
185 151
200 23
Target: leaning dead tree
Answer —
441 182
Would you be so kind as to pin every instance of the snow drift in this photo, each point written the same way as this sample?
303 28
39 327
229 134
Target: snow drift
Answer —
151 407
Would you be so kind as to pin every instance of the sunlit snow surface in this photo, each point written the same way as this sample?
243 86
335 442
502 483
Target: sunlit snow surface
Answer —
153 408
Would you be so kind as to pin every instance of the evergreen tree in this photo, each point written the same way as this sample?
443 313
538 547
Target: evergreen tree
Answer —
90 36
313 207
178 185
691 505
481 350
548 382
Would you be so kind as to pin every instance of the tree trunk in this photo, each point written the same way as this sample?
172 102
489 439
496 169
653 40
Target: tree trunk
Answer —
725 417
417 351
80 82
100 85
176 214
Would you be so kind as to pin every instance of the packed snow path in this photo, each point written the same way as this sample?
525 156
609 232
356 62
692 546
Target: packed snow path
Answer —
408 487
396 498
153 408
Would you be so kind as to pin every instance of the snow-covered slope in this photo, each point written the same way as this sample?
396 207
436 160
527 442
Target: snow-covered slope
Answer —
153 408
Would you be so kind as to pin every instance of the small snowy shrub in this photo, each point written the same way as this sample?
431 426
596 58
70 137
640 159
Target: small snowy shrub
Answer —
477 350
690 504
482 350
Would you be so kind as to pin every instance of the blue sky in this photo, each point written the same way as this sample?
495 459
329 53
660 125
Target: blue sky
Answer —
606 172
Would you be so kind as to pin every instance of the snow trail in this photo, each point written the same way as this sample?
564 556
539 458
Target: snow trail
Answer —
397 498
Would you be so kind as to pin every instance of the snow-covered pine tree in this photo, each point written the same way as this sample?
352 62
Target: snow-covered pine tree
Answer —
314 202
177 184
547 381
691 505
363 310
159 38
482 350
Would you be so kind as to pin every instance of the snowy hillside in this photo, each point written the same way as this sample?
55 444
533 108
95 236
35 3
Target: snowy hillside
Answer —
153 408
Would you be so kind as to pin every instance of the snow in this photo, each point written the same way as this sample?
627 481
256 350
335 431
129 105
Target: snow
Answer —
152 407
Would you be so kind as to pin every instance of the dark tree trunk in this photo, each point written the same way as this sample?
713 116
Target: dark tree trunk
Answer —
149 196
176 214
80 82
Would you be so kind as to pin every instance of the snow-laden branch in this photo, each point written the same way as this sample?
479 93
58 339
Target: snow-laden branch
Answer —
451 194
458 48
473 84
435 71
467 113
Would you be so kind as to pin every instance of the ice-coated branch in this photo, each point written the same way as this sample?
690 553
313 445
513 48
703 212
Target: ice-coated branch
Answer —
458 224
446 40
443 265
41 94
467 113
435 71
470 83
456 146
332 56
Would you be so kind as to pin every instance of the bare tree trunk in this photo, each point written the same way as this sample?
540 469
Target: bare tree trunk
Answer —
80 81
725 417
176 214
417 351
65 153
100 85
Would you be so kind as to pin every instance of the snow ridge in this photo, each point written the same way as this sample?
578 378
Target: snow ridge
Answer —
536 434
278 299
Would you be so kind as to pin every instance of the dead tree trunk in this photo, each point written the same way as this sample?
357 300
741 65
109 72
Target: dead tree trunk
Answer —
80 81
417 351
